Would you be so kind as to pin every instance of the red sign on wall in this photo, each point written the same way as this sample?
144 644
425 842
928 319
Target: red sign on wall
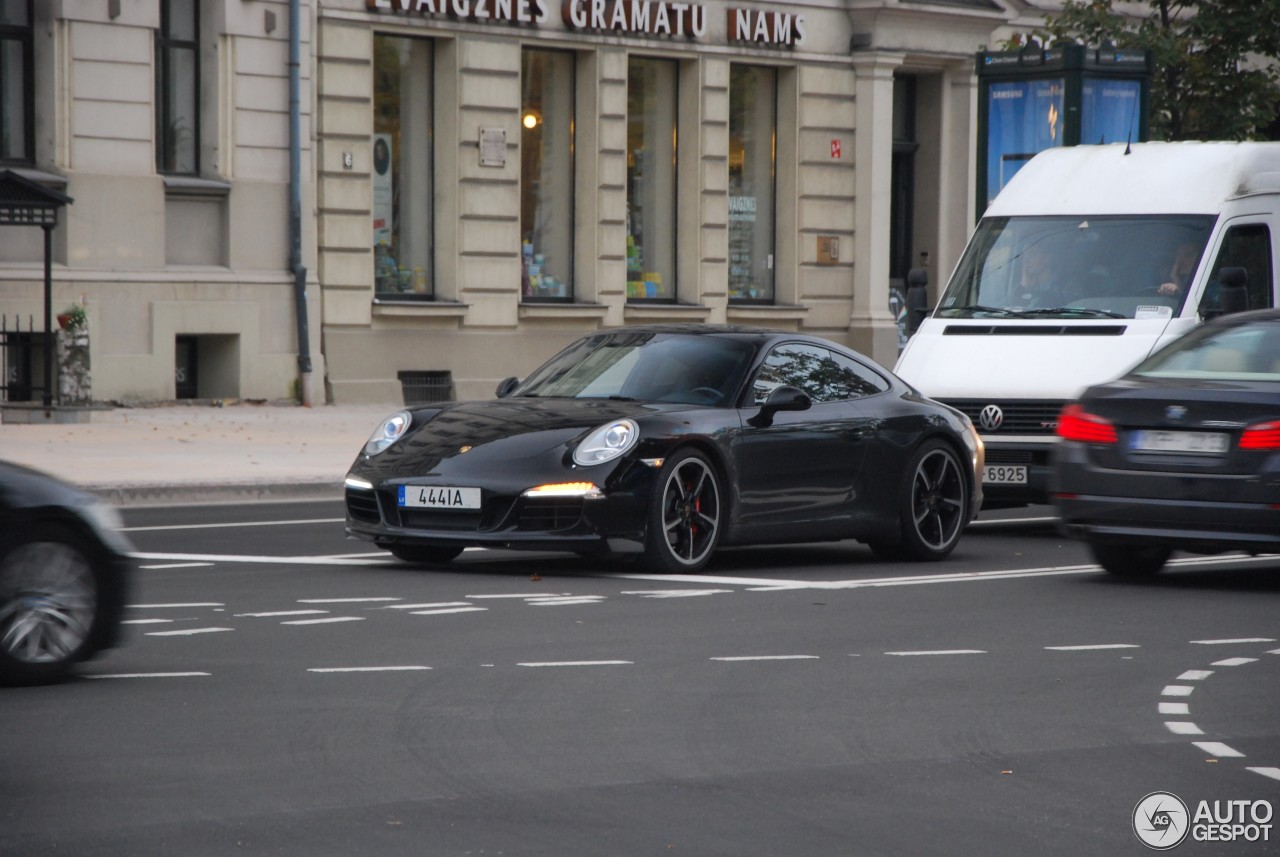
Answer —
835 148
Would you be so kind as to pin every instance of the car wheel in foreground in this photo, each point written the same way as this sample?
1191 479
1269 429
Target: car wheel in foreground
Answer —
49 605
934 506
424 554
684 516
1128 560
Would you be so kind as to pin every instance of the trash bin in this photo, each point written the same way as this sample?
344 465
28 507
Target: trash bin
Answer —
424 387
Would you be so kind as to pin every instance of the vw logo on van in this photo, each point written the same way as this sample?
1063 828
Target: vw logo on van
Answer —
991 417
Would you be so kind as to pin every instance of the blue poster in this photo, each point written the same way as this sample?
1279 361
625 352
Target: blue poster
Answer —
1109 111
1023 118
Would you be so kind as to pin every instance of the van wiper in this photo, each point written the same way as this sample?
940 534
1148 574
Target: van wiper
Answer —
1087 312
975 309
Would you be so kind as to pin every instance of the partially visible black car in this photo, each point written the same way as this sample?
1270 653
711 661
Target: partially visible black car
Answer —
63 573
1183 452
668 442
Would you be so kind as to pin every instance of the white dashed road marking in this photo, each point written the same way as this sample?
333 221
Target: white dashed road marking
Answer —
327 621
187 632
1221 751
1094 648
769 658
577 664
149 675
939 652
449 610
366 669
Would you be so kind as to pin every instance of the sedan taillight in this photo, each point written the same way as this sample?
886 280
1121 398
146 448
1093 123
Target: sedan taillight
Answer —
1261 436
1075 423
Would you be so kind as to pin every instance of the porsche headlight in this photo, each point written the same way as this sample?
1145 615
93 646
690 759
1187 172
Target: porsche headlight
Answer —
607 443
388 432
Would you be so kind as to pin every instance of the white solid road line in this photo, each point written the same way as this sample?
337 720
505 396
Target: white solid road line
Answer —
940 652
231 525
577 664
1094 648
187 633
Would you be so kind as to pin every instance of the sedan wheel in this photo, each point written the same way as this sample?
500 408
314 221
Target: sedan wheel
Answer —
684 516
1127 560
934 506
48 607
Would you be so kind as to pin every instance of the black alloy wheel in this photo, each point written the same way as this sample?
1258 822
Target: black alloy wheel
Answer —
49 605
684 516
934 506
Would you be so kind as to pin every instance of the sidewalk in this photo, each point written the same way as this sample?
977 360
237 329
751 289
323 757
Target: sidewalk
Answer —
201 453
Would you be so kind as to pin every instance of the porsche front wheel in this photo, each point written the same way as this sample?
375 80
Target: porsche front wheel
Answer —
685 515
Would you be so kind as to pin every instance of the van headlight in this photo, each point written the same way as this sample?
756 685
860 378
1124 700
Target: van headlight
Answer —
607 443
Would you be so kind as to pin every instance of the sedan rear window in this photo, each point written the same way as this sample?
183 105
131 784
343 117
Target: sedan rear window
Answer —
1246 352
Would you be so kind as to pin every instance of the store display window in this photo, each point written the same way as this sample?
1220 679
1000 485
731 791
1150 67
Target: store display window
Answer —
546 175
651 179
403 228
753 126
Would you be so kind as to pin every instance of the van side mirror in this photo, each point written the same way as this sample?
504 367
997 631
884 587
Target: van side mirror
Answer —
1233 290
506 387
917 298
784 398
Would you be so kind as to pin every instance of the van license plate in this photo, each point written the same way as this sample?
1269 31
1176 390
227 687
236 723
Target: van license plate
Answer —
1004 474
438 497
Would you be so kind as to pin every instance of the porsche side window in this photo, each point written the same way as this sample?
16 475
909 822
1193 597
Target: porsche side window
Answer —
850 379
823 375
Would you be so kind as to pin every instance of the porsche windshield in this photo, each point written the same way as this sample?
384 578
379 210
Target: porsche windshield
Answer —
653 367
1077 267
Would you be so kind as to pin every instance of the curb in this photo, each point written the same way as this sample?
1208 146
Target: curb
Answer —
202 493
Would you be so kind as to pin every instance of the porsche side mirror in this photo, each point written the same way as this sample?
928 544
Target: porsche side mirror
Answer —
781 399
506 387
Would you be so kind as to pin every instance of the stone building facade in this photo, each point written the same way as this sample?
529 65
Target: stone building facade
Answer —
481 181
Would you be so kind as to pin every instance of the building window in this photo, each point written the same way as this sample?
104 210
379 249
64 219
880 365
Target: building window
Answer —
178 88
651 179
403 228
546 175
753 126
17 122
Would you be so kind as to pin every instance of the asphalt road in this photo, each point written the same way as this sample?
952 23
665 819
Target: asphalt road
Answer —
285 691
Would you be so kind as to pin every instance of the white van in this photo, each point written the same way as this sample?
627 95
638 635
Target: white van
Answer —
1087 261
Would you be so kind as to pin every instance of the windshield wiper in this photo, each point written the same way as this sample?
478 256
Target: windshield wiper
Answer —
973 309
1088 312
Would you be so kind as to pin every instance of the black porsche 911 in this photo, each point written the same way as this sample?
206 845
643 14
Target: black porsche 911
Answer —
1183 452
668 442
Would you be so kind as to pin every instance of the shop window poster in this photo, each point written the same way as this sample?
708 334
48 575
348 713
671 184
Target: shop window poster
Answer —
1023 119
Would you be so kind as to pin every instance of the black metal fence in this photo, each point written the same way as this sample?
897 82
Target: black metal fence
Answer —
21 359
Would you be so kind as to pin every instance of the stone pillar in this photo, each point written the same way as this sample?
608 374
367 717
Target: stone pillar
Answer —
958 181
75 382
872 329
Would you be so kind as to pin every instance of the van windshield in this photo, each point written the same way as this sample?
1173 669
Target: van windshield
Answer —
1078 267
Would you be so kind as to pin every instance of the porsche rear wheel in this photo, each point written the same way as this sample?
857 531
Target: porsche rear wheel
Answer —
424 554
934 506
50 605
685 515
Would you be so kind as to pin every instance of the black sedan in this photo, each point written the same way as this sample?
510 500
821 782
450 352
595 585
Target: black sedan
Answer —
1183 452
63 575
668 442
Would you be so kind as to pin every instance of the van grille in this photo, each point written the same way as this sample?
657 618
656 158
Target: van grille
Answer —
1019 417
